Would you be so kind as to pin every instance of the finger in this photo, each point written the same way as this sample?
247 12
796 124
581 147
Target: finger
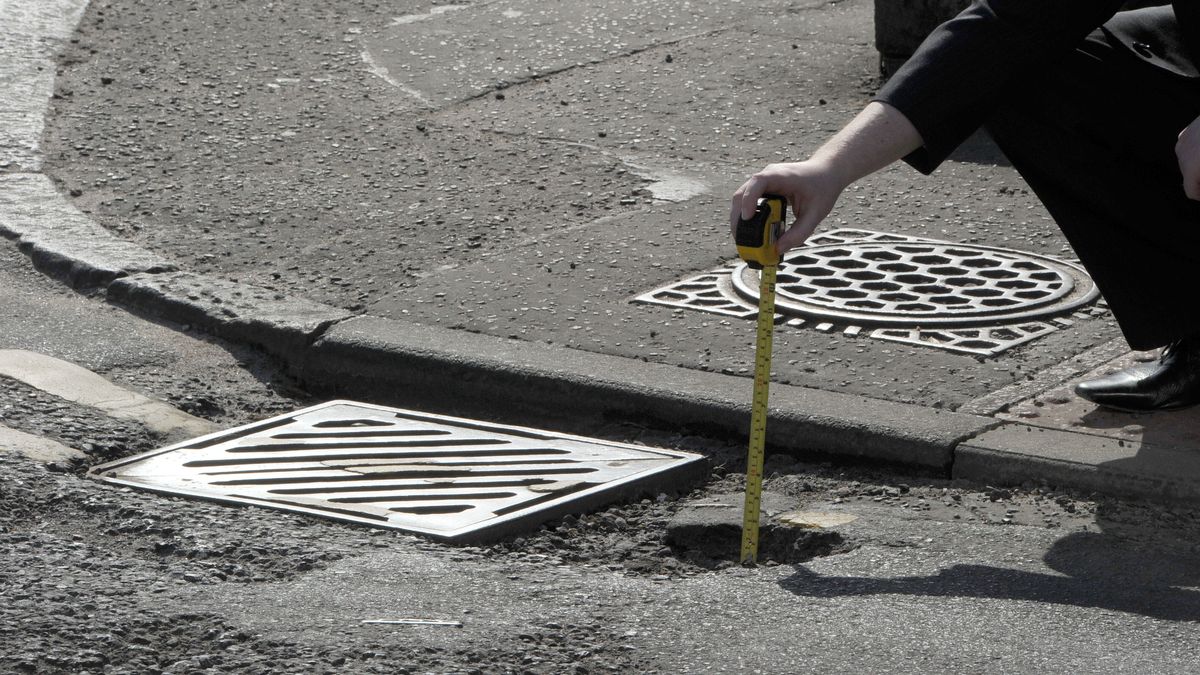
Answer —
735 208
752 191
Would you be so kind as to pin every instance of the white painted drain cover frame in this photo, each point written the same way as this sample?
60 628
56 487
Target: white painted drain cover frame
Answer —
444 477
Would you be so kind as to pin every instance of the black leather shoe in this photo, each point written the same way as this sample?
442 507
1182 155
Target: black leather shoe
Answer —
1170 384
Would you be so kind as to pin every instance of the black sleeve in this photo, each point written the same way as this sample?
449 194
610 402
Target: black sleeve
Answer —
950 86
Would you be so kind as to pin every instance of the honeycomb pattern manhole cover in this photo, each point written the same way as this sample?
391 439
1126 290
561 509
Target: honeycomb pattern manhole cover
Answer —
445 477
956 297
921 284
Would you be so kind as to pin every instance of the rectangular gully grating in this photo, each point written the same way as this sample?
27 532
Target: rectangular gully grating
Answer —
445 477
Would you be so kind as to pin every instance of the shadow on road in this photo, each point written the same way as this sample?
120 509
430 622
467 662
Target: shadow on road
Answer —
1101 571
1159 448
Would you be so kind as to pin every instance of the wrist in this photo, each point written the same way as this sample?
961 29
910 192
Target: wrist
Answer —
840 174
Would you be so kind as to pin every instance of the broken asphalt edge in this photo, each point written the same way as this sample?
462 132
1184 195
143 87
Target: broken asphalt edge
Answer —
332 351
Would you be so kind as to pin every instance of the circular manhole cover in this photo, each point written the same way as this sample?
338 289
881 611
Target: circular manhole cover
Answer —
921 284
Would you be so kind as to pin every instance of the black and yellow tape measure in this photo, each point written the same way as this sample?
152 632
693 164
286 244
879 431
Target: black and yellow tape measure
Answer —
756 239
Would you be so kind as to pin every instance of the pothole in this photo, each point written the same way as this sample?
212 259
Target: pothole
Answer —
709 533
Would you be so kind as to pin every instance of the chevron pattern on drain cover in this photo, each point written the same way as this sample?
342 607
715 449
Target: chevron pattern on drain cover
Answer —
444 477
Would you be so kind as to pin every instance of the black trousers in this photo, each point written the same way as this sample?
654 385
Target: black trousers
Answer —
1094 137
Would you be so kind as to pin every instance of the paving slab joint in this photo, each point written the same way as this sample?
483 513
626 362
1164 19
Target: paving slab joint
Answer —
965 441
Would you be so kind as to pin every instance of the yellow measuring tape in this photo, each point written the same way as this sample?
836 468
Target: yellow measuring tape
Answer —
755 239
758 414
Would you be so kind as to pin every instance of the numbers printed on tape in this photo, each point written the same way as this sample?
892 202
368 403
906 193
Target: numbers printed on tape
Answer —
758 415
756 239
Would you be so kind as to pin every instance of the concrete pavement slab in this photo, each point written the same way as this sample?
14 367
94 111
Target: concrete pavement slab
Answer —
1006 400
1057 407
27 84
37 448
28 38
53 19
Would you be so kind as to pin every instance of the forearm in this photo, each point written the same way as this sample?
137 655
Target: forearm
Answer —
876 137
966 68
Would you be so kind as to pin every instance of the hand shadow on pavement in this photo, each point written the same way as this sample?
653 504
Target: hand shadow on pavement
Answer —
1101 571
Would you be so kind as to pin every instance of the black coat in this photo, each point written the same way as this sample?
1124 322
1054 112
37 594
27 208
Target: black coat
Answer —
964 69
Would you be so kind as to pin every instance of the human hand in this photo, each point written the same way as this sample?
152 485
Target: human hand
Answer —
811 187
1187 151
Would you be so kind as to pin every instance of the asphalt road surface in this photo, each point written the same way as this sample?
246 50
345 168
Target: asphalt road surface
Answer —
524 168
931 575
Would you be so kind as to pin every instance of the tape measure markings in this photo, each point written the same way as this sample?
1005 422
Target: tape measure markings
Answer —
758 415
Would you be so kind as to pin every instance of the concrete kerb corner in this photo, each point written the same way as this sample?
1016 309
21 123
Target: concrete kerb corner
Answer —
283 327
64 243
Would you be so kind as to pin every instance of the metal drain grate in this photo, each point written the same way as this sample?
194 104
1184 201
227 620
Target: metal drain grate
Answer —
957 297
920 284
445 477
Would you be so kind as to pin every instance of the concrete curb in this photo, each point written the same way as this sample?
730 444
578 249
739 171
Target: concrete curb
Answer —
62 242
1012 454
281 326
408 364
401 363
